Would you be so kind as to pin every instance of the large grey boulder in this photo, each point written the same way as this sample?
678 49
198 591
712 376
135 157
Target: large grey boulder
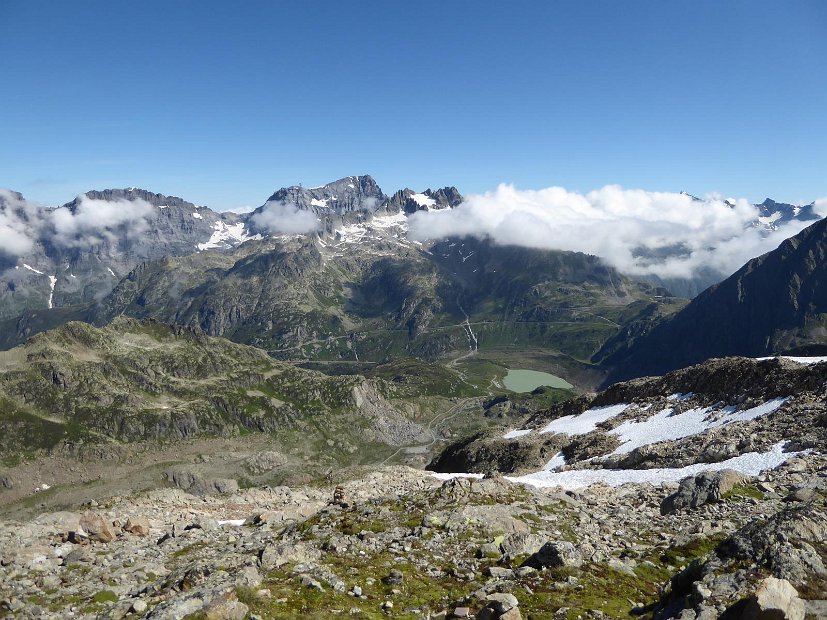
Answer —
191 482
556 554
705 488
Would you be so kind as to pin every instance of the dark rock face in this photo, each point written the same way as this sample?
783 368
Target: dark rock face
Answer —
775 303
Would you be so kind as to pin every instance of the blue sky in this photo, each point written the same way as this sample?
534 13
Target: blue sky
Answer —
222 103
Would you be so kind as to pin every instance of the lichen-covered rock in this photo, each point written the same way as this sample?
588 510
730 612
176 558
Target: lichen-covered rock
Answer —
706 487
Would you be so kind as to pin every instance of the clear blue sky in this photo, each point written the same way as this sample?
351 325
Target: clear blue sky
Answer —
222 103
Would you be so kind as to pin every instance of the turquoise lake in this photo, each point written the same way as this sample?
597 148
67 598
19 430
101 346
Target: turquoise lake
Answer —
518 380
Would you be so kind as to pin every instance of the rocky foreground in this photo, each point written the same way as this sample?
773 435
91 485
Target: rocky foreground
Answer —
401 543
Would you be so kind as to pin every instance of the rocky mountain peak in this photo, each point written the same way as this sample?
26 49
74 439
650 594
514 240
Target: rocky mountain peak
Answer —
355 193
132 194
408 201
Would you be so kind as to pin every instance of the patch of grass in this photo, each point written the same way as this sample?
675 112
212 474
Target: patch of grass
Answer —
188 550
105 596
698 548
743 491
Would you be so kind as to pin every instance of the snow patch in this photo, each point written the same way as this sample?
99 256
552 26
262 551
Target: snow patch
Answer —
798 360
319 203
585 422
751 464
769 220
231 522
354 233
423 201
439 476
197 216
30 268
111 272
52 282
226 235
556 462
669 426
517 433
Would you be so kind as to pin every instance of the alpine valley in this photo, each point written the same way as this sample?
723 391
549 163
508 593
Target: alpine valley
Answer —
302 411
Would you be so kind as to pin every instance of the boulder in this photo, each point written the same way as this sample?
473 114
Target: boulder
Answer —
775 599
96 527
695 491
554 554
137 525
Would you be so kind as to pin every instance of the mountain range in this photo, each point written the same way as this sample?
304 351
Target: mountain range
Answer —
323 273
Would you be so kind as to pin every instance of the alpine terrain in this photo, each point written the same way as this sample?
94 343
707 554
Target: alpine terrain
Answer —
304 412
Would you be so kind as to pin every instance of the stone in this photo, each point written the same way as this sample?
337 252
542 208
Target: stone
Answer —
462 612
137 525
489 550
395 577
501 602
249 577
227 610
512 614
801 494
498 572
553 554
774 599
138 607
275 555
308 582
704 488
521 544
96 527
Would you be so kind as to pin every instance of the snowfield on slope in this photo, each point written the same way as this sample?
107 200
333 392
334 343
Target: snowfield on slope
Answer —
666 425
226 235
750 464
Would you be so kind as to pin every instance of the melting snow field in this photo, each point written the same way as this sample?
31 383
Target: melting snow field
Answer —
226 235
799 360
354 233
585 422
423 201
668 426
452 476
517 433
751 464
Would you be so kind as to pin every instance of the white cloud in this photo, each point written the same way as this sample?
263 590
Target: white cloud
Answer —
283 217
93 221
19 222
636 231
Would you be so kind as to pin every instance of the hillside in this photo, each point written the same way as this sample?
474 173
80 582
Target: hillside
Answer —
580 535
776 303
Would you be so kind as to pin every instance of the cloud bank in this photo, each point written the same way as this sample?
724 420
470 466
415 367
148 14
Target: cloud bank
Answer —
93 221
638 232
19 221
286 218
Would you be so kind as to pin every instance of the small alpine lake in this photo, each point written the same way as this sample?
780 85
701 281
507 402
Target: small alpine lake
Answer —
519 380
